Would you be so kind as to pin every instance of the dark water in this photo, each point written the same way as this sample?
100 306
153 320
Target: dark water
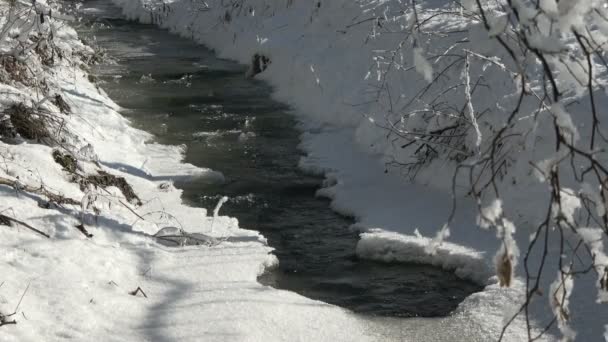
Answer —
230 124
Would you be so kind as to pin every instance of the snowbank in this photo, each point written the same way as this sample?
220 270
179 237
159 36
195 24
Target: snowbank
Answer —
327 62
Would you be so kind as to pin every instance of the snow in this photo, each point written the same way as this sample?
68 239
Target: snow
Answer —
78 288
393 247
422 65
559 294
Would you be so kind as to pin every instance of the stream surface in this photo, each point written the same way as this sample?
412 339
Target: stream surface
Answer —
184 94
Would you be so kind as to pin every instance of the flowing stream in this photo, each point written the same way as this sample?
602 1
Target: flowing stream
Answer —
184 94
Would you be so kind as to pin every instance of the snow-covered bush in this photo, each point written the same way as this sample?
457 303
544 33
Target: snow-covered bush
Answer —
34 45
512 105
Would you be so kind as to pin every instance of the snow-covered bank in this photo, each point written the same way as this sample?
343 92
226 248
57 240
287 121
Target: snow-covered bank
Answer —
69 286
322 57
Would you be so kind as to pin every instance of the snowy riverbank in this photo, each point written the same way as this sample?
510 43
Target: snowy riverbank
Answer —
320 64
